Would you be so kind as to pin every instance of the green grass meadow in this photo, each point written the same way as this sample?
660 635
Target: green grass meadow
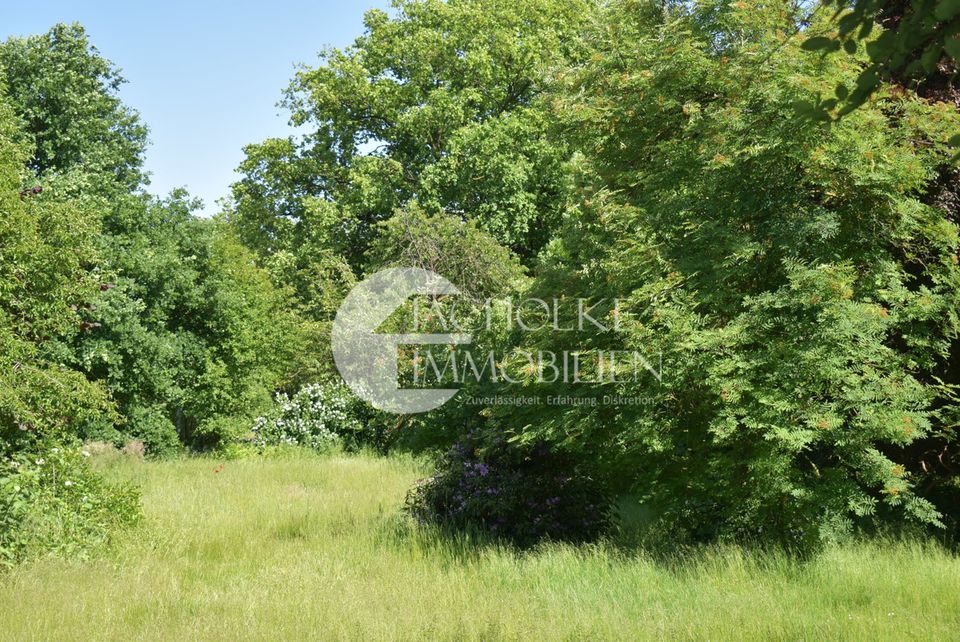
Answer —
316 548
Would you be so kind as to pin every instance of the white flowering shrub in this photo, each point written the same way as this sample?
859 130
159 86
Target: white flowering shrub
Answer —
318 416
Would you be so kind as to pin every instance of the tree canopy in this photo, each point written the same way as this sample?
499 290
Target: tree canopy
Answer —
766 189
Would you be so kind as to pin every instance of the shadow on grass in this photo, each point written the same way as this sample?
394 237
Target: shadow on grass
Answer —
637 537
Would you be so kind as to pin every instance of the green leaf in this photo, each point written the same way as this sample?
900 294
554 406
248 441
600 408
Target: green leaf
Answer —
947 9
868 79
952 47
817 43
881 48
842 92
914 69
850 46
951 28
807 109
856 99
954 141
931 57
848 23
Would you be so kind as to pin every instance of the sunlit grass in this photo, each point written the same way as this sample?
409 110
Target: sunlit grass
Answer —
314 548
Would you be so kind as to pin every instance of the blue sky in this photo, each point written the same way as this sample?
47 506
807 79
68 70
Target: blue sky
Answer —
205 76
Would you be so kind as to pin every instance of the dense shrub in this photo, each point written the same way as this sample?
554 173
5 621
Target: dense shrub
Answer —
49 500
153 427
799 294
319 416
177 322
521 493
52 502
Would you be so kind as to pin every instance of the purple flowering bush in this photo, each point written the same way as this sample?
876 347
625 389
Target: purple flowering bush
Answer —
519 493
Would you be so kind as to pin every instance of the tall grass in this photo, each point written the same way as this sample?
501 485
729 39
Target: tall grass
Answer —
312 548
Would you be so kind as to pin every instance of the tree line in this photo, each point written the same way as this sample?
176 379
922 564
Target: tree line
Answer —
776 208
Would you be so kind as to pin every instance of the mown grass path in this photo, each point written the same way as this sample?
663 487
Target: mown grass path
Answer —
309 548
